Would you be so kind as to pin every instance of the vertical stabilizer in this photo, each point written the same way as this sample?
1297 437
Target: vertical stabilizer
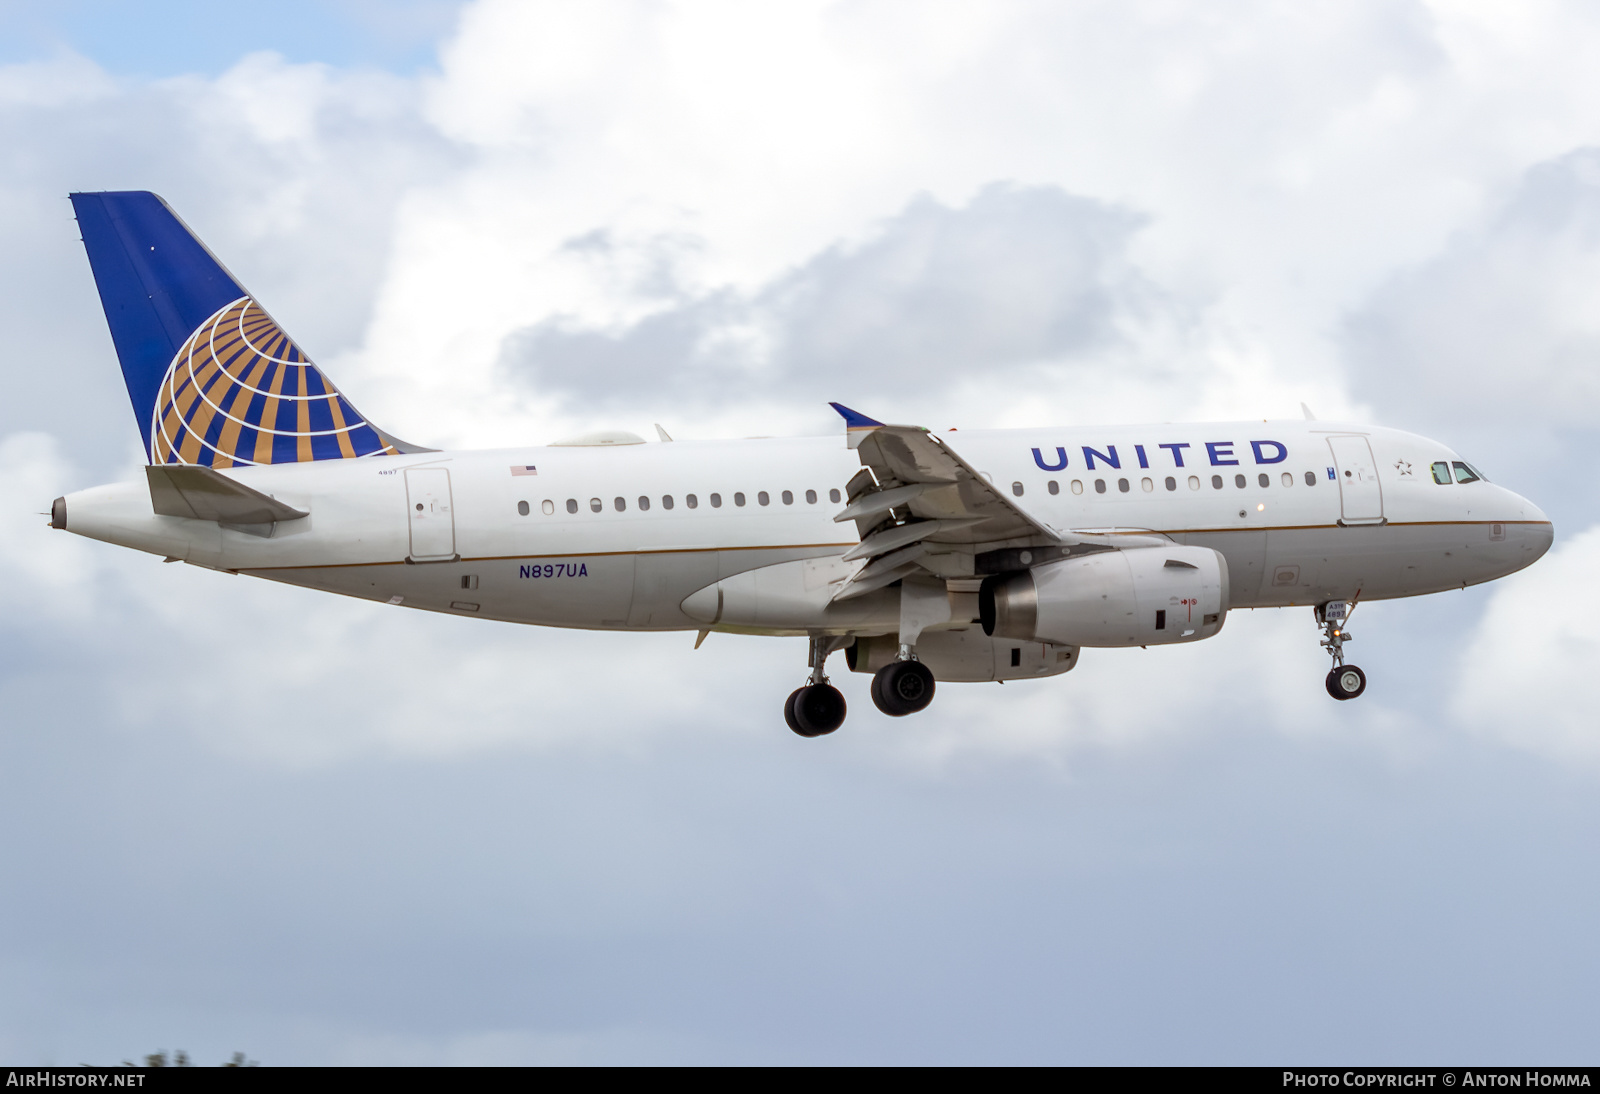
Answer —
213 379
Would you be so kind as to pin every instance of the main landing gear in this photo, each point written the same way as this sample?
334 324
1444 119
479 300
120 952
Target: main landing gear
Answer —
1344 681
902 687
817 708
899 688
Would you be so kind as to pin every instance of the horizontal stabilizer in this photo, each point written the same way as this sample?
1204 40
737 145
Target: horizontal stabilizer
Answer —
200 493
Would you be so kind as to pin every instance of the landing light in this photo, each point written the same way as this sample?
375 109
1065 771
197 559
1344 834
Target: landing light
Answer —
1262 508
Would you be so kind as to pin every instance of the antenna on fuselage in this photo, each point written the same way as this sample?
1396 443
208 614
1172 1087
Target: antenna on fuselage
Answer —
1310 417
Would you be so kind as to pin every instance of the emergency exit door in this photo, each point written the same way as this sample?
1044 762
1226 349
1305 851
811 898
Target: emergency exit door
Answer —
428 508
1360 495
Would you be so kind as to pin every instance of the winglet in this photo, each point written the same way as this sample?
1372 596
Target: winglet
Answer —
856 425
854 419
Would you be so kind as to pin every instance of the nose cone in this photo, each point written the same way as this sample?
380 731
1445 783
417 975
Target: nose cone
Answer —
1534 532
1539 536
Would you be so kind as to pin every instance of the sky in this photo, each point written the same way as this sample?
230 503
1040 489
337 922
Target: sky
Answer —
249 818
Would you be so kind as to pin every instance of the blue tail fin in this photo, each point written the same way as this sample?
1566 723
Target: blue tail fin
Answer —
214 380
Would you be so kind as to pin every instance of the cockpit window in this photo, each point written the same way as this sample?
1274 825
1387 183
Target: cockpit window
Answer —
1465 473
1441 473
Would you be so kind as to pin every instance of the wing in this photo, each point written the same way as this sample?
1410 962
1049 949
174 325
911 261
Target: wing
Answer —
919 506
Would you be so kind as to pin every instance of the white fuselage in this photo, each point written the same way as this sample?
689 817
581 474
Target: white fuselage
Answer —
1306 512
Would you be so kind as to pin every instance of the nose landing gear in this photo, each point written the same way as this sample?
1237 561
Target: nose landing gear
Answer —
1344 681
817 708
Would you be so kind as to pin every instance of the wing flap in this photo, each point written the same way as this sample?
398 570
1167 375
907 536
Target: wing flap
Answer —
898 536
911 465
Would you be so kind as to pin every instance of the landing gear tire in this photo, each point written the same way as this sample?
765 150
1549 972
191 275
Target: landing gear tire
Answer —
1346 682
814 710
902 687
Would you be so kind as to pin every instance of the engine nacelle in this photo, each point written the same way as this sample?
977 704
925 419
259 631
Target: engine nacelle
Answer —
1145 596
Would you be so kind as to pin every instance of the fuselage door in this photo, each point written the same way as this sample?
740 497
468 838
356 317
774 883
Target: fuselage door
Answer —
1360 495
429 509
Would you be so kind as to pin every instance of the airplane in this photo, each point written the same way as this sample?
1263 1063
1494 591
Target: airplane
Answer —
981 555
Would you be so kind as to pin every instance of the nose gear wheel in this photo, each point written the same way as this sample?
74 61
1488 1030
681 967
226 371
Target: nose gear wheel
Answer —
1346 682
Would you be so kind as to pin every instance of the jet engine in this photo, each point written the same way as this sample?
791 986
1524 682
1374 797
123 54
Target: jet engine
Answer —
1144 596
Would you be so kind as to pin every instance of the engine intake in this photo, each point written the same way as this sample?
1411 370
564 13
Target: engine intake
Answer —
1145 596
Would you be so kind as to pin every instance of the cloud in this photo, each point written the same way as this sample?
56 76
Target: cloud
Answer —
1501 326
43 572
1493 343
1020 281
282 169
1525 679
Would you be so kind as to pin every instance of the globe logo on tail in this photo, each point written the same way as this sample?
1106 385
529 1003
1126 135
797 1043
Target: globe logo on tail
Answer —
240 392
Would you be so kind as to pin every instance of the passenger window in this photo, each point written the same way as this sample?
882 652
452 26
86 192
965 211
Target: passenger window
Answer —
1171 484
1077 486
666 501
738 499
595 505
1099 486
1441 473
548 506
572 505
1288 479
1194 482
811 497
621 504
716 501
1016 488
1053 487
834 495
1122 484
788 497
1311 478
1464 473
1238 480
644 504
1146 485
1262 478
522 508
763 497
691 501
1216 482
